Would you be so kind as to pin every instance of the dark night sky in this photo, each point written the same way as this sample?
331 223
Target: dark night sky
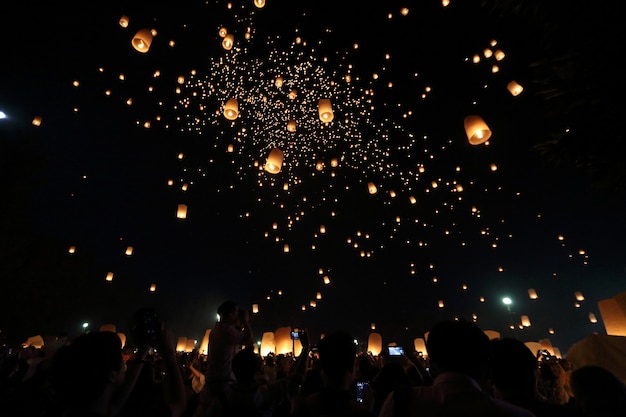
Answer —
96 179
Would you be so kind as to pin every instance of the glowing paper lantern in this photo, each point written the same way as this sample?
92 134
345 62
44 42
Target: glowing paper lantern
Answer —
325 110
546 344
292 94
267 343
34 341
109 276
72 249
613 313
477 130
534 347
129 251
492 334
532 294
190 346
514 88
419 344
259 3
579 296
412 199
371 187
279 81
124 21
152 287
108 328
282 339
222 32
228 42
375 344
274 161
142 40
525 321
231 109
286 248
36 121
181 345
291 125
181 213
334 162
122 337
204 345
592 318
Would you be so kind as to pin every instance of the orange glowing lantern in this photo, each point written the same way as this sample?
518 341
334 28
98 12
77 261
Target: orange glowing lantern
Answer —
190 346
259 3
255 308
124 21
231 109
142 40
334 162
279 81
532 294
152 287
420 346
204 345
222 32
34 341
292 94
274 161
267 343
514 88
36 121
326 280
375 344
181 213
72 249
412 199
592 318
613 313
286 248
291 125
371 187
525 321
477 130
228 42
282 339
129 251
109 276
122 337
108 328
325 110
579 296
181 345
492 334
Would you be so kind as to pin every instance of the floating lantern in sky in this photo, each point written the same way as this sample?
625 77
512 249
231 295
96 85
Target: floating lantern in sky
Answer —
255 308
420 346
279 81
259 3
514 88
532 294
108 328
525 321
204 344
499 55
371 187
292 94
152 287
592 318
129 251
579 296
124 21
36 121
375 343
274 161
325 110
142 40
326 280
181 213
267 343
440 304
613 313
181 344
412 199
334 162
231 109
477 130
228 42
109 276
72 250
291 125
286 248
222 32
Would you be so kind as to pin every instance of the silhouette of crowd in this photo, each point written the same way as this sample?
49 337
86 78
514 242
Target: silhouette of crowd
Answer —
462 373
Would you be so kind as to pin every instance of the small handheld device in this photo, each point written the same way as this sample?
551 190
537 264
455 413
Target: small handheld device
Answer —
361 388
396 351
295 335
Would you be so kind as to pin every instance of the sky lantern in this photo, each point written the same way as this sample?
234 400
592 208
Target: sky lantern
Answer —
326 280
292 94
514 88
34 341
441 304
477 130
282 339
204 344
499 55
412 199
492 334
228 41
286 248
371 187
613 313
525 321
181 213
142 40
255 308
279 81
267 343
108 328
109 276
72 250
230 148
124 21
291 125
181 344
375 344
532 294
592 318
152 287
420 346
222 32
319 165
36 121
231 109
325 110
190 345
334 162
259 3
122 337
579 296
274 161
129 251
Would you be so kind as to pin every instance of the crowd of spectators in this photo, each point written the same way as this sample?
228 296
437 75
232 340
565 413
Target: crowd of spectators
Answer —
463 373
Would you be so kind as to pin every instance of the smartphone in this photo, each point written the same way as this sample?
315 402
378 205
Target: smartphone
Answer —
361 389
295 335
396 351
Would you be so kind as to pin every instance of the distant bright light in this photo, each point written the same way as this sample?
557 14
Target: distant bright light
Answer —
507 301
3 115
85 325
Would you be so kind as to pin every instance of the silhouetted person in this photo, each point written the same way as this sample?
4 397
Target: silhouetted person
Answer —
598 392
513 373
458 353
337 355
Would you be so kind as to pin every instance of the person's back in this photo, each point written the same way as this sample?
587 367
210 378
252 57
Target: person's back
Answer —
598 392
458 353
337 354
513 371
